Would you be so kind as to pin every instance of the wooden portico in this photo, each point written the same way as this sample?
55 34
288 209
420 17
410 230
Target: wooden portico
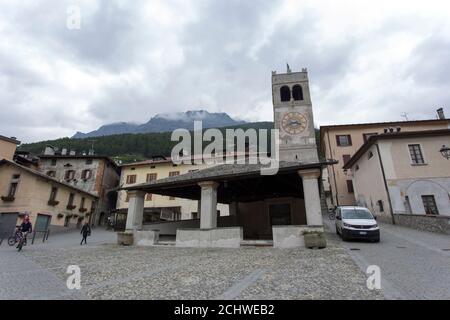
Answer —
261 204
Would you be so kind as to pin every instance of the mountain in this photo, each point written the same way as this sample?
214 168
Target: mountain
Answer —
164 123
127 147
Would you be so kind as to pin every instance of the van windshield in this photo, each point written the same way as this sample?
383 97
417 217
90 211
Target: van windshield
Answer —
356 214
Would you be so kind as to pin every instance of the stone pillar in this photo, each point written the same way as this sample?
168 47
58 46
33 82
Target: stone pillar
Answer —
312 196
135 210
208 205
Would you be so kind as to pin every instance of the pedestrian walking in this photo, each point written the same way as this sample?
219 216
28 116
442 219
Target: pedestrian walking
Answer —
85 231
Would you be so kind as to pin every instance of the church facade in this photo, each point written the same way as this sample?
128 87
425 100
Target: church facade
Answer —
274 209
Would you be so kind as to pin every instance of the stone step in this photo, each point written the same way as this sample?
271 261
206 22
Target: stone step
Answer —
256 243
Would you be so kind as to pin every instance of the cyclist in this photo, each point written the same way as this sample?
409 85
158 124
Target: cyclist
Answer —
25 228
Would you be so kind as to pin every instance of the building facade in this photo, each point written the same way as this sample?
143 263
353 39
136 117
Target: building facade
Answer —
403 177
8 147
340 142
158 207
95 174
51 204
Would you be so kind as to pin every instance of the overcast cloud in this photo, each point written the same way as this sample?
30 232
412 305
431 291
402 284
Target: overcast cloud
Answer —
367 60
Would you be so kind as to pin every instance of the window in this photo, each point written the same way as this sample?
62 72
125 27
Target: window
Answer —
70 174
71 198
82 203
285 93
174 173
194 215
86 174
148 197
12 189
88 161
53 162
297 92
416 154
53 194
151 176
131 178
350 186
51 173
429 204
346 158
366 136
344 140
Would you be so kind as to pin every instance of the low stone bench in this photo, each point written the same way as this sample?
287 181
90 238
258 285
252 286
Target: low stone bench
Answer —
138 238
214 238
291 236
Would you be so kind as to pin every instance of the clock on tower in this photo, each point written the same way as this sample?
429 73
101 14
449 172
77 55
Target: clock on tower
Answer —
293 116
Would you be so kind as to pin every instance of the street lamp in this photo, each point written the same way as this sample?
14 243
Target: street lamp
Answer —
445 151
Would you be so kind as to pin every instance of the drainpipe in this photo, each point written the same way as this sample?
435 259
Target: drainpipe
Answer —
332 168
385 183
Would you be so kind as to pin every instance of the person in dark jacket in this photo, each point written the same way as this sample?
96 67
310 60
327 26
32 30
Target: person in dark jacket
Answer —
26 227
85 231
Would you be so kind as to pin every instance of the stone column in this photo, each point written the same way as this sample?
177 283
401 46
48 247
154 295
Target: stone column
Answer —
208 205
312 196
135 210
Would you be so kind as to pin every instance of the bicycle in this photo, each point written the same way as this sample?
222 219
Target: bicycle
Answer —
15 238
22 241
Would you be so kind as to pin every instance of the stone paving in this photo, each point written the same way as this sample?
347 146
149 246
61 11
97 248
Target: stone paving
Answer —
414 264
115 272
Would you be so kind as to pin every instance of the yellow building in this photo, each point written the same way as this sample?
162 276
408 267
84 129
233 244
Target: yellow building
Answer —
341 142
159 207
51 204
8 147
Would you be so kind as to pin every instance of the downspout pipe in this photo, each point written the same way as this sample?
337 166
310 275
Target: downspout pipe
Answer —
385 184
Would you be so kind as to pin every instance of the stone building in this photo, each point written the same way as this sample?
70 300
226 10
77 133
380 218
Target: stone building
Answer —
51 204
341 142
403 177
95 174
276 209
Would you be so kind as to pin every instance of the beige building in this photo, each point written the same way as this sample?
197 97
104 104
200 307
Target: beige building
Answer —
8 147
51 204
404 176
96 174
158 207
340 142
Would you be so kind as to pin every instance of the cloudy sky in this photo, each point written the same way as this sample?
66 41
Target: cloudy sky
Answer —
129 60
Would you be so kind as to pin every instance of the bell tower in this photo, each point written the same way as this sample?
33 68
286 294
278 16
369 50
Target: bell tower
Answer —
293 116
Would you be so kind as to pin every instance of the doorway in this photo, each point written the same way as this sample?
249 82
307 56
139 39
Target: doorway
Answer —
280 214
8 222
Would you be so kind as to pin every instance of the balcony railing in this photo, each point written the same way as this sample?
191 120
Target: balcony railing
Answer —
8 198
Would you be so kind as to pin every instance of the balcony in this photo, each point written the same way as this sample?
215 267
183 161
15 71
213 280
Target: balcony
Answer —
70 207
8 199
82 210
52 203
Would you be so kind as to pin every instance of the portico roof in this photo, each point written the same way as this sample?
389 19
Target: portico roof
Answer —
237 182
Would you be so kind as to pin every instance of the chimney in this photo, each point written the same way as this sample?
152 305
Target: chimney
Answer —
440 113
49 151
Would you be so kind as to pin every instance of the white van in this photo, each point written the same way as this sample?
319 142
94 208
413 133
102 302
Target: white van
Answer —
356 223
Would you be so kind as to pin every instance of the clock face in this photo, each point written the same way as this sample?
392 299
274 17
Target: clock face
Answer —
294 123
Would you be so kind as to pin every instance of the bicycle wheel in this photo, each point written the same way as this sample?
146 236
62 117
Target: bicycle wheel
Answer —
12 241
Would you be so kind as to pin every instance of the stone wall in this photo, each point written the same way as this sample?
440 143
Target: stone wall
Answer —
439 224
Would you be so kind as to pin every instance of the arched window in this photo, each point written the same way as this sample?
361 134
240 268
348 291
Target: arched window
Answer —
297 92
285 93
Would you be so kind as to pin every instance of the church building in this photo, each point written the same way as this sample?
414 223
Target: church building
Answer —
271 209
